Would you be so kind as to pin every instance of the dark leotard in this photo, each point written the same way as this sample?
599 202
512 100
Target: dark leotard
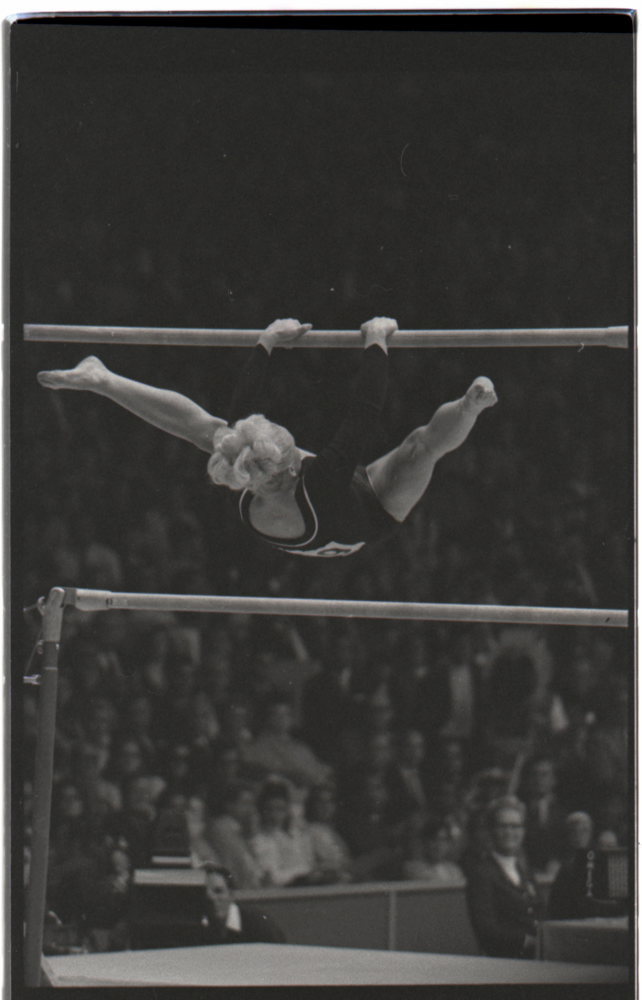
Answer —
340 509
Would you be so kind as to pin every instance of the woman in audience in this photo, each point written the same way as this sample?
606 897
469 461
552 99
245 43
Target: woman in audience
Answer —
331 856
504 903
429 853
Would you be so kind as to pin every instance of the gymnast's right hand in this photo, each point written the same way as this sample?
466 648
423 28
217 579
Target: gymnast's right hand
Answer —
283 332
378 331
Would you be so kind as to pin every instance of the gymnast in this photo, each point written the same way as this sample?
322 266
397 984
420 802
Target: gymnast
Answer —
310 505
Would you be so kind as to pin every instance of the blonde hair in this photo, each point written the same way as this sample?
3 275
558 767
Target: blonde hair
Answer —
254 454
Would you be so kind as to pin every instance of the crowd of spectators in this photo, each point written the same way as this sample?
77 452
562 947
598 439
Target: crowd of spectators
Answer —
182 740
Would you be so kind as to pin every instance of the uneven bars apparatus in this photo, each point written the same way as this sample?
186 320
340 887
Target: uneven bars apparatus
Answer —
104 600
610 336
52 609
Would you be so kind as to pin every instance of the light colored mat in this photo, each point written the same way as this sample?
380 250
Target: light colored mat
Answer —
301 965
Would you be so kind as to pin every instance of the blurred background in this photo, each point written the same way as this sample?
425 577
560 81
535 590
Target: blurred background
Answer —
220 177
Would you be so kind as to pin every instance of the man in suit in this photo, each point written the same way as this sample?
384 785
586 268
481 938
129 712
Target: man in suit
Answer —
224 922
504 904
406 778
545 815
179 917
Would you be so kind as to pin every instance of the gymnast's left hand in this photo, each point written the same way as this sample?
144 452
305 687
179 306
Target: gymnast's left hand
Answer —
283 333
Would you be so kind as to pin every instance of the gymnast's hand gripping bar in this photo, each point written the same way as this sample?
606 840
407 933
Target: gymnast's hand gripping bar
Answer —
610 336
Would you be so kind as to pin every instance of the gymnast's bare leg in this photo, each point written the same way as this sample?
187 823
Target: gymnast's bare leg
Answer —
165 409
401 477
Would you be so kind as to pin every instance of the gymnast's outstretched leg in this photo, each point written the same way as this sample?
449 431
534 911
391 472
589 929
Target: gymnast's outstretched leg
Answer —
401 477
165 409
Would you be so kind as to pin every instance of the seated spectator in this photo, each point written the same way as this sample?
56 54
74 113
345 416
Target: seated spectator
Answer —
196 816
331 698
102 798
279 846
510 705
170 837
504 904
406 779
330 852
226 771
607 840
375 843
135 824
429 854
419 686
237 728
178 771
179 830
69 850
572 893
108 896
137 725
225 922
126 763
231 831
204 731
544 816
276 751
373 730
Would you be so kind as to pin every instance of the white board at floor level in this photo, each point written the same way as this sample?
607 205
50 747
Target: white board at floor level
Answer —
303 965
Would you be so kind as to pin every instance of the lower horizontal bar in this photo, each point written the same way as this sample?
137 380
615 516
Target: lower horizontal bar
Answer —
610 336
104 600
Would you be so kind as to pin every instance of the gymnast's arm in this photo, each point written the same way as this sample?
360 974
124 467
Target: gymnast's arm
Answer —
247 393
334 466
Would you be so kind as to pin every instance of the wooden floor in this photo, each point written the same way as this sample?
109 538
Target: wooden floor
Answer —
302 965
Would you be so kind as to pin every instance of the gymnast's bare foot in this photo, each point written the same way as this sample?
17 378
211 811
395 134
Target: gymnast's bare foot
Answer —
481 394
88 374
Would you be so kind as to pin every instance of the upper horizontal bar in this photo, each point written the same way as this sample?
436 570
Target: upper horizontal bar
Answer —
610 336
104 600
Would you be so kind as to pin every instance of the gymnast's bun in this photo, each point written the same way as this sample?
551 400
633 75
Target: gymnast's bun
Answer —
254 454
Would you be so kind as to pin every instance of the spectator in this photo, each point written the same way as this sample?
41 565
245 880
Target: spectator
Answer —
544 816
331 700
178 772
607 755
375 843
419 687
135 825
231 831
276 751
503 901
205 729
407 786
224 922
280 848
373 732
429 855
138 725
237 728
330 852
572 895
509 711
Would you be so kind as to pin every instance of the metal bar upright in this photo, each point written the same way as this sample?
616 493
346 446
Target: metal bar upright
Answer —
37 889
